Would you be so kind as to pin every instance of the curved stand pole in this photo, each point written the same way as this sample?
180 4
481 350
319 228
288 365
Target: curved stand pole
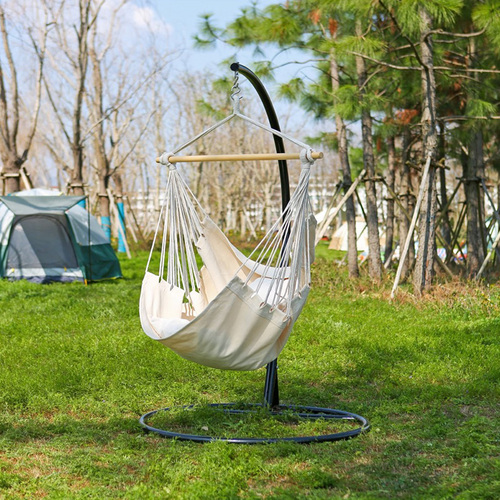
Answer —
271 390
273 122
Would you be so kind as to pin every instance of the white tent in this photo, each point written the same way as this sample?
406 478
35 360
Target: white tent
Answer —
339 239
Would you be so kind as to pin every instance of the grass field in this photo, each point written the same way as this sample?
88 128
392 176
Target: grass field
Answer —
76 373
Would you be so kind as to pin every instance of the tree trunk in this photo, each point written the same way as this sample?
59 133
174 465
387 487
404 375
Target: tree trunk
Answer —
102 162
408 202
476 150
424 265
77 172
481 174
82 63
374 260
10 103
498 208
12 175
475 247
104 206
268 207
352 251
445 228
390 179
119 185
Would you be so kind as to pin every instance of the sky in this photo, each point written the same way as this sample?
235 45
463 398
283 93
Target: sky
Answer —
183 18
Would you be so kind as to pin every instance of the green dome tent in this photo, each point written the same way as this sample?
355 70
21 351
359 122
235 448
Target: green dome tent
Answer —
52 238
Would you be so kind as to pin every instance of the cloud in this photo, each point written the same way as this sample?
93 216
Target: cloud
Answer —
145 18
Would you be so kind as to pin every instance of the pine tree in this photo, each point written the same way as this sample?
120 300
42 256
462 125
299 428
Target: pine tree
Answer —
416 23
416 62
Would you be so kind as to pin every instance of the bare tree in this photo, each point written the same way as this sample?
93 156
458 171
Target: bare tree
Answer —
113 137
12 118
71 46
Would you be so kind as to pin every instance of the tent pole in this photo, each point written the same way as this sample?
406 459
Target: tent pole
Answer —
271 390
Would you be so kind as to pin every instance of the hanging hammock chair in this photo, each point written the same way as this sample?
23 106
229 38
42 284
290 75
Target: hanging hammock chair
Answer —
236 312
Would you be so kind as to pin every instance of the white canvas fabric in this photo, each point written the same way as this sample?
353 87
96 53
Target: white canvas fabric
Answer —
236 312
223 261
242 314
236 331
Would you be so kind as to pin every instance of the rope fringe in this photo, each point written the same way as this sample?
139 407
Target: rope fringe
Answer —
281 268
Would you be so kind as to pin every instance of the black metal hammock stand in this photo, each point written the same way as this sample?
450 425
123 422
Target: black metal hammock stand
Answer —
271 407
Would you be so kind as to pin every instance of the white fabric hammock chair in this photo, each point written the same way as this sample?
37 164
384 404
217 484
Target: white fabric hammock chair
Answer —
236 312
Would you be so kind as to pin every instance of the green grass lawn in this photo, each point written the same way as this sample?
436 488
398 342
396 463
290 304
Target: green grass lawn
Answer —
76 373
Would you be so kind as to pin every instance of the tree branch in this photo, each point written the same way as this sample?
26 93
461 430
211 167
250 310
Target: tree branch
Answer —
382 63
40 52
469 70
457 35
412 45
12 135
452 118
297 62
418 68
134 144
124 100
56 111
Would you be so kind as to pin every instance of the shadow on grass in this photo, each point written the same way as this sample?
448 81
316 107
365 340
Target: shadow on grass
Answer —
70 427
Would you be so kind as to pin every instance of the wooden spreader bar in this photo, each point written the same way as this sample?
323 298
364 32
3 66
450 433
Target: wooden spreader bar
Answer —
240 157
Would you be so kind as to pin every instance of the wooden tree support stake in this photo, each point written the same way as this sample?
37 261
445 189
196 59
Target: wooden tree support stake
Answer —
331 205
497 239
118 222
488 257
25 178
402 257
336 210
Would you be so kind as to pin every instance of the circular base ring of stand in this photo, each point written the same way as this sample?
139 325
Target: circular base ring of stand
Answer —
305 412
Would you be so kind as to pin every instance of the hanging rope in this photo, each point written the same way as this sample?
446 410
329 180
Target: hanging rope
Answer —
235 93
282 259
